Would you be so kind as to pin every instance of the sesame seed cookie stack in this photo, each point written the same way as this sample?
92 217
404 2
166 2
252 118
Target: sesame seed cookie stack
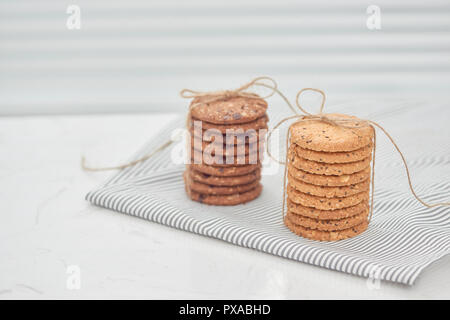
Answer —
328 179
226 147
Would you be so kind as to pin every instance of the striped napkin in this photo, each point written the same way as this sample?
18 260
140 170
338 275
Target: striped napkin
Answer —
403 237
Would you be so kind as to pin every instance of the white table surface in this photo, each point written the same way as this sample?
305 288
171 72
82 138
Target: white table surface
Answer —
46 226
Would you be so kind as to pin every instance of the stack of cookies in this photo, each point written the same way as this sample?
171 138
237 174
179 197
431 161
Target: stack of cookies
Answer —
226 148
328 179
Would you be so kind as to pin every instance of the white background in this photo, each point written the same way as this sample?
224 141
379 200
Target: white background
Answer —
136 55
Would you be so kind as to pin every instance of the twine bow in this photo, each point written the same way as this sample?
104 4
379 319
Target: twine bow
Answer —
212 96
346 123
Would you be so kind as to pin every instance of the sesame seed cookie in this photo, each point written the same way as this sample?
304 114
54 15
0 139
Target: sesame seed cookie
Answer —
322 136
325 235
217 190
332 181
329 192
229 111
336 169
224 200
327 214
328 225
225 171
323 203
224 181
334 157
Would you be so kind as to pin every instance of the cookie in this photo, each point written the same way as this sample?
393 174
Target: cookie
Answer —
328 225
225 171
334 157
224 149
225 200
217 190
323 203
229 111
325 235
329 192
205 158
322 136
327 214
332 181
224 181
328 169
260 123
217 137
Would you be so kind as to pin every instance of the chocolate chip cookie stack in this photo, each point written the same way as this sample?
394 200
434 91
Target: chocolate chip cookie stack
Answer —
328 179
227 143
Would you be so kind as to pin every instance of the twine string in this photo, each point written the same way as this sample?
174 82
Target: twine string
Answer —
209 97
408 175
346 123
206 97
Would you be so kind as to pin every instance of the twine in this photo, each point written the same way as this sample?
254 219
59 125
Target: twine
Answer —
346 123
206 97
128 164
212 96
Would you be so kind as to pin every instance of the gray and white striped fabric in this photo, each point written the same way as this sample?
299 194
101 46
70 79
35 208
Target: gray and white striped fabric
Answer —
403 238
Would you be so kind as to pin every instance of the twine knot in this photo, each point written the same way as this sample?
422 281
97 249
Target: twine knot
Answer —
212 96
229 94
242 91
